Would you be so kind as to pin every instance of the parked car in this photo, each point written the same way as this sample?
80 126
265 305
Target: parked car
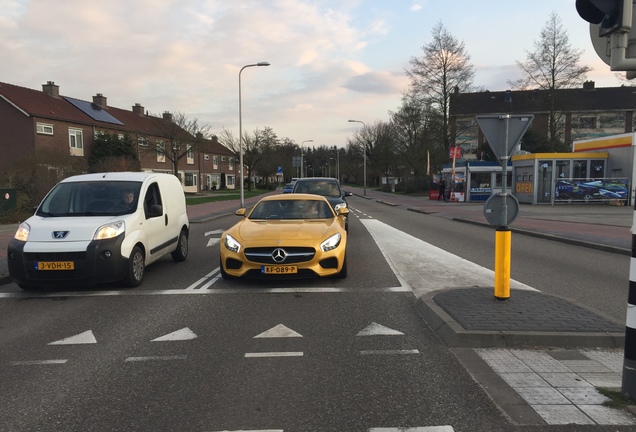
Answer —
327 187
286 235
103 227
288 188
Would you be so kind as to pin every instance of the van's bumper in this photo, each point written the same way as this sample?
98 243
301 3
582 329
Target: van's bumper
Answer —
100 262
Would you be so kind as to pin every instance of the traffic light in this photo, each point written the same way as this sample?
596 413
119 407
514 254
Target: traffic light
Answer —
610 15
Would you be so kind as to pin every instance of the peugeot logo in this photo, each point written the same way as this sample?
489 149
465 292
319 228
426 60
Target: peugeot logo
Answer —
60 234
279 255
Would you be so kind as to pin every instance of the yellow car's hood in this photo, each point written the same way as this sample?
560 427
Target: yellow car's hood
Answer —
300 230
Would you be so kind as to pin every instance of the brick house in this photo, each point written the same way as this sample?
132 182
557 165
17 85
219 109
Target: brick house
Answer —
585 113
32 120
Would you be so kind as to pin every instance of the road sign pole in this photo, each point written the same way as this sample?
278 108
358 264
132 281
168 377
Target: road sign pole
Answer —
502 139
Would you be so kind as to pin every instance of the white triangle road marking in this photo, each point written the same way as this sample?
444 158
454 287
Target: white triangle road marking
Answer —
86 337
375 329
212 242
279 331
183 334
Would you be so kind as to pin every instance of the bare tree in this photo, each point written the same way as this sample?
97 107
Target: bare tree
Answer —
183 137
553 65
443 68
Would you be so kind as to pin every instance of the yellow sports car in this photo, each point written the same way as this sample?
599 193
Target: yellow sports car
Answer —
287 235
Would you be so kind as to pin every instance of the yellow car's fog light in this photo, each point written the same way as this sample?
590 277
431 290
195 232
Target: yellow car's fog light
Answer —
231 244
331 243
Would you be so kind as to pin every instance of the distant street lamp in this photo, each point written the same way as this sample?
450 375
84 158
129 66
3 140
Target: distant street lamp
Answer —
301 155
364 154
241 130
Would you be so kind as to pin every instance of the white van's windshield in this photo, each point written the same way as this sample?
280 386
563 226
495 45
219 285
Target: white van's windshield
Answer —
100 198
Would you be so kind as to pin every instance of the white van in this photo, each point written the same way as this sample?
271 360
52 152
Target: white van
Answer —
89 229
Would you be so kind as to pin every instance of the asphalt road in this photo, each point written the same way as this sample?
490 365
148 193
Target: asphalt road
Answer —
190 351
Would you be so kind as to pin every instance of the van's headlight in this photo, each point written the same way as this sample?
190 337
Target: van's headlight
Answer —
22 234
231 243
331 243
110 230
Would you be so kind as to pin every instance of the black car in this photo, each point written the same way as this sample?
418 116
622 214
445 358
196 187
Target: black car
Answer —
327 187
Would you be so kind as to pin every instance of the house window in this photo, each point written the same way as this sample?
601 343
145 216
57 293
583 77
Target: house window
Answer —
229 180
587 123
142 141
206 157
75 142
215 162
161 151
189 155
190 179
44 128
231 164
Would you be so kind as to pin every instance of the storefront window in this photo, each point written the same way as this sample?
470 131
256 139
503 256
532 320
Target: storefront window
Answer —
597 168
480 182
563 168
580 169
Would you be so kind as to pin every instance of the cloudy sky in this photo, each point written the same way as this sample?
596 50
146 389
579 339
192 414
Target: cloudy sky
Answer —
331 60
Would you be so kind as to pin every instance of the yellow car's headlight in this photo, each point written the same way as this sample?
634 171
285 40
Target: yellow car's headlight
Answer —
231 243
110 230
22 234
331 243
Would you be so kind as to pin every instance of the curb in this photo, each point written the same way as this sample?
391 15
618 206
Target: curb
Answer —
454 335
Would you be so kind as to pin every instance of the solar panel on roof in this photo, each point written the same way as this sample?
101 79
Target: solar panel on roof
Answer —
95 112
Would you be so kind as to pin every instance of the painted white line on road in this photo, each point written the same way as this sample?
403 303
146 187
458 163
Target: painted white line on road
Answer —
203 279
389 352
153 358
213 241
278 331
219 231
375 329
426 268
414 429
275 354
255 430
37 362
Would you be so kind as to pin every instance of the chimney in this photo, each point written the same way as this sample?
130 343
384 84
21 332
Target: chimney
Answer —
588 85
167 116
138 109
51 89
100 100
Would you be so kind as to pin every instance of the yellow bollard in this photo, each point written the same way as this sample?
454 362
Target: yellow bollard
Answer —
502 263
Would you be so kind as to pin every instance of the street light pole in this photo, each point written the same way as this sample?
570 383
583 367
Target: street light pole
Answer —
364 154
301 155
241 130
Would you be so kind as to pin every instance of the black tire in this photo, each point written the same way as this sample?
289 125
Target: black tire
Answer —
136 268
181 252
343 271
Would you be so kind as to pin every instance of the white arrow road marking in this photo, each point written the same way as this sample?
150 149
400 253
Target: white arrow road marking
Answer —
183 334
374 329
86 337
280 331
212 242
219 231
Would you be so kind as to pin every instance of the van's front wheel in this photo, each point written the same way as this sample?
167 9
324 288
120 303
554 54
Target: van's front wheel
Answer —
136 268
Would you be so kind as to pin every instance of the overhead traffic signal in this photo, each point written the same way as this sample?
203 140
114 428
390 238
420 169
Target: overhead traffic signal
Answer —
610 15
